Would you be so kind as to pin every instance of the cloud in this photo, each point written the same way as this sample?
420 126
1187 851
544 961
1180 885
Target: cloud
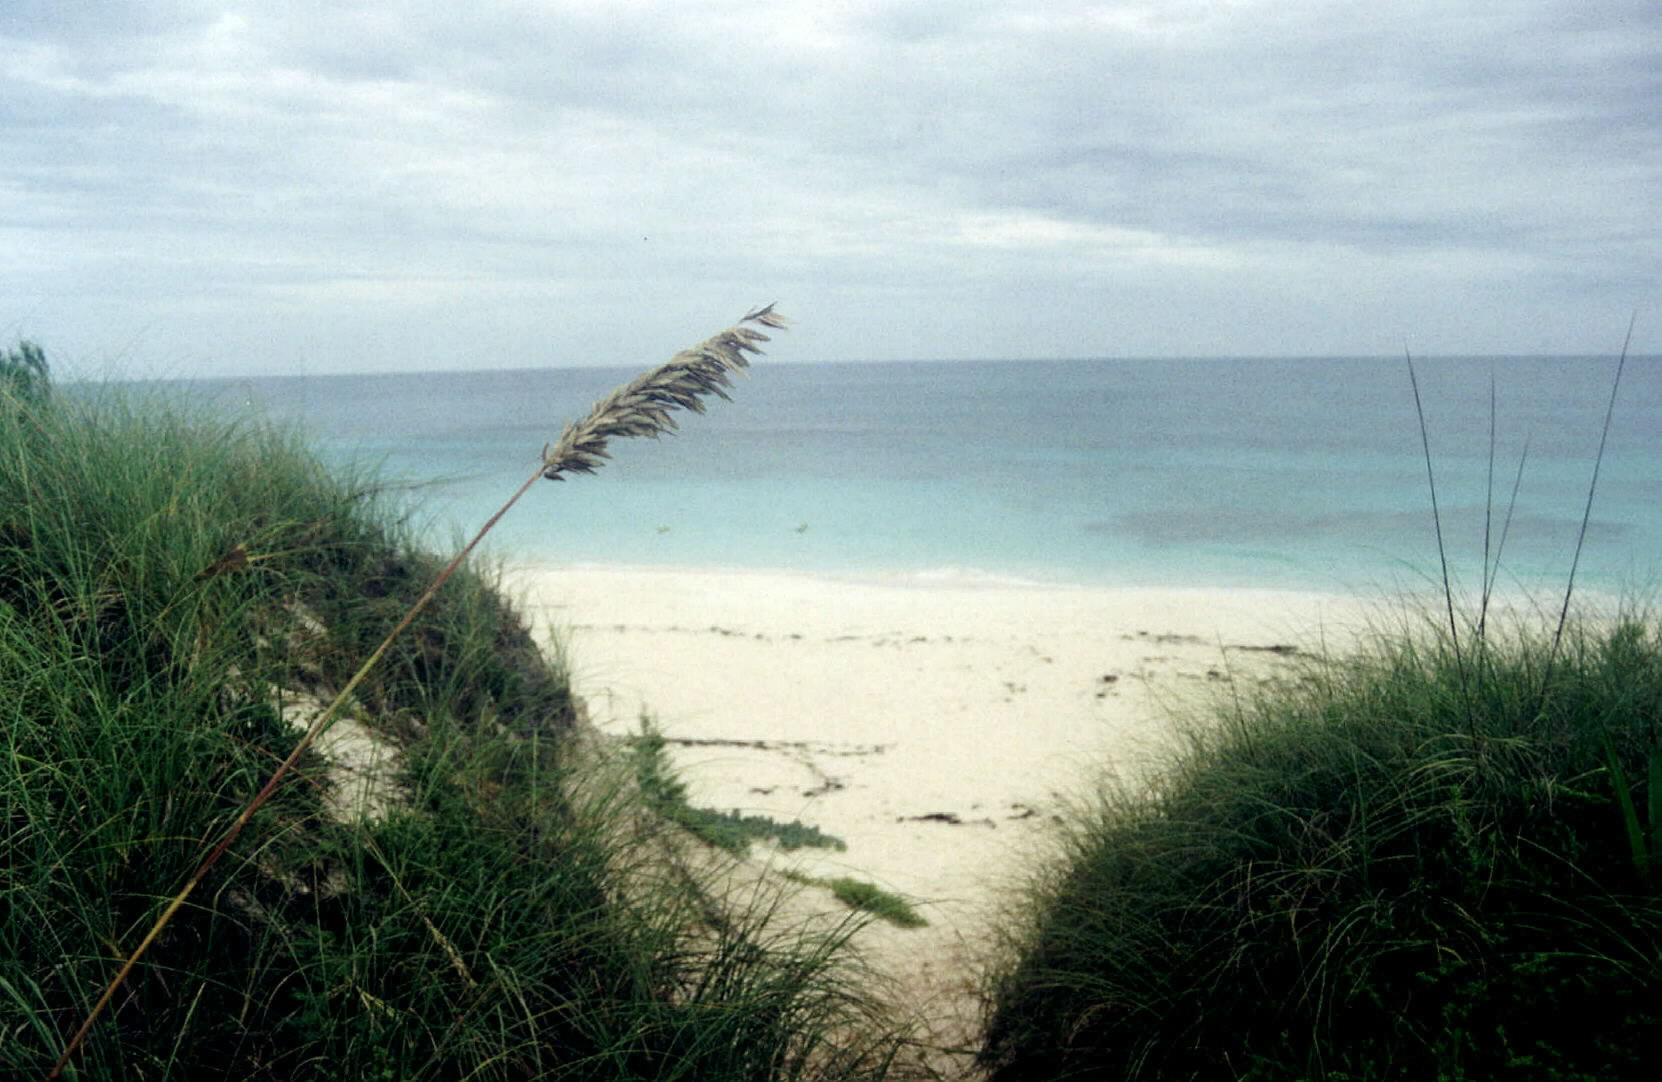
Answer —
232 183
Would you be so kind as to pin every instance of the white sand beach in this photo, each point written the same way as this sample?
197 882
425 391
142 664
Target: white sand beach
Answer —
936 727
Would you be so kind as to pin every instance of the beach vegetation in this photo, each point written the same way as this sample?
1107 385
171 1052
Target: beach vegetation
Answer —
865 896
733 831
181 594
1409 862
869 897
25 375
665 793
1433 855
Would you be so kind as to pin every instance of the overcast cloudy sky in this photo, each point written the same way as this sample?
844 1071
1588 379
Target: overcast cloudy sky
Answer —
216 187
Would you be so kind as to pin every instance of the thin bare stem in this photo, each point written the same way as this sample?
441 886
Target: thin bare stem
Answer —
1436 515
1587 512
1489 568
1506 525
641 408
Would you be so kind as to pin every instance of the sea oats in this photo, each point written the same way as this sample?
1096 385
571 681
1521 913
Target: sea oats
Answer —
644 406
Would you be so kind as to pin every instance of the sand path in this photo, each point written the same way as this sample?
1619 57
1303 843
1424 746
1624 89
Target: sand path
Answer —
938 729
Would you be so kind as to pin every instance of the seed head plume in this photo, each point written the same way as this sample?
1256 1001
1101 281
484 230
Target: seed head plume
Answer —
644 406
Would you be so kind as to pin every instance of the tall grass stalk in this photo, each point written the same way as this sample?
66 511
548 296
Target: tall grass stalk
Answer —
643 407
1436 512
1437 526
1488 509
1492 573
1592 489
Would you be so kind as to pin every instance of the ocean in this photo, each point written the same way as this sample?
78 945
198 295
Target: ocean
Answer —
1289 473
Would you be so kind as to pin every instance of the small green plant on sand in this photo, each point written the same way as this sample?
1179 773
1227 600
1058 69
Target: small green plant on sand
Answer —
865 896
871 898
733 831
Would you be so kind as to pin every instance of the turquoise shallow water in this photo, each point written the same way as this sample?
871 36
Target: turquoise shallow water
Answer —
1297 473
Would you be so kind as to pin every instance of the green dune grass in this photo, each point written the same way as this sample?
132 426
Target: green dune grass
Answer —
1438 856
1408 863
1433 857
171 585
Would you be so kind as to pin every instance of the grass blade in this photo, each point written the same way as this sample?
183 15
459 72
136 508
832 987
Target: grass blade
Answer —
1587 512
1437 520
1489 568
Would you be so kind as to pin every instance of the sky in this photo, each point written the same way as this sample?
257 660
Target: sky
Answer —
213 188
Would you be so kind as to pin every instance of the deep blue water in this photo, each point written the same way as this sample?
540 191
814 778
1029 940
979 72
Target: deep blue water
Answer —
1278 472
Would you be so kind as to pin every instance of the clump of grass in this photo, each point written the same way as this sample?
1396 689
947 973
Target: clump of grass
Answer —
168 582
870 898
1434 858
865 896
1397 867
642 409
732 831
25 375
